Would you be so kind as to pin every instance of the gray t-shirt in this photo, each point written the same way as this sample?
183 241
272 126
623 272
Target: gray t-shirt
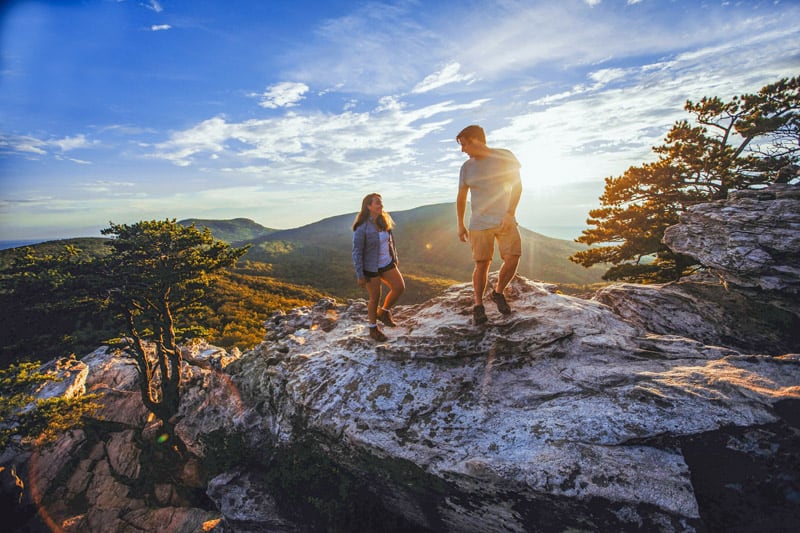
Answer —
489 180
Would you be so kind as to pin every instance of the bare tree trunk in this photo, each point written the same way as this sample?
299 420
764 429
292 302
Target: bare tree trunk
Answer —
166 370
142 363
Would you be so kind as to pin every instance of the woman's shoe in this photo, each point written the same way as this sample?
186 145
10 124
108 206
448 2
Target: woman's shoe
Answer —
377 335
385 316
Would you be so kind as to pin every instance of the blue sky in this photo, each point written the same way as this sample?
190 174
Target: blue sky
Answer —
289 112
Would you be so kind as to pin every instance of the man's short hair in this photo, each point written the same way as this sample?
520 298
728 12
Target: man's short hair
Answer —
472 132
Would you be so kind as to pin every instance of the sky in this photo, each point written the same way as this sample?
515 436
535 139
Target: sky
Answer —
288 112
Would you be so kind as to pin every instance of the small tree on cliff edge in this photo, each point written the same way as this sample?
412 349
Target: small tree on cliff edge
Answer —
734 145
158 272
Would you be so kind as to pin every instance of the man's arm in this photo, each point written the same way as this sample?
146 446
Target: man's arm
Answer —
516 194
509 219
461 209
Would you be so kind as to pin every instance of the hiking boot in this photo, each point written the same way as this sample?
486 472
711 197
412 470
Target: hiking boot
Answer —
502 304
377 335
479 315
385 316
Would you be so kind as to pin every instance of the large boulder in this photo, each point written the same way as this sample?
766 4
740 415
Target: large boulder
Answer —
561 415
114 376
746 297
704 309
750 239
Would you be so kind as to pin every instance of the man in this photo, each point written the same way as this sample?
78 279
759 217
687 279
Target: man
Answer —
491 177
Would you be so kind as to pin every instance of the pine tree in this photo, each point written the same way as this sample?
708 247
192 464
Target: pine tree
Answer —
154 279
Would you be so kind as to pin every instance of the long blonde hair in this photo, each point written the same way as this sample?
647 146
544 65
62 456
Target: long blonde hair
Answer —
384 221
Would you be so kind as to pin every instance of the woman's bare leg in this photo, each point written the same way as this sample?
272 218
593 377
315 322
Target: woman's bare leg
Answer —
397 286
374 291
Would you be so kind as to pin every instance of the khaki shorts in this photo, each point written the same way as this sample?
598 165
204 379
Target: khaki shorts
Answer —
482 243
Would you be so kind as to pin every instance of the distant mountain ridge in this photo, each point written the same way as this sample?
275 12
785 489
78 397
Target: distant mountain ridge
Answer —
233 231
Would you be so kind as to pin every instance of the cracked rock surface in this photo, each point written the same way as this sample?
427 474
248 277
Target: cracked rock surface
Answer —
561 407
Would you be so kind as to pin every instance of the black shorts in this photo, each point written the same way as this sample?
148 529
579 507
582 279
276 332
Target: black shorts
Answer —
381 270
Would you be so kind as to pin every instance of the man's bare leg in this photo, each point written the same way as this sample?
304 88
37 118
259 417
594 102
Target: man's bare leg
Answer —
507 272
480 277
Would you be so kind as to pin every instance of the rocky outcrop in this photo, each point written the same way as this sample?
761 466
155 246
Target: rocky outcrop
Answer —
750 239
747 296
704 309
560 416
645 409
107 477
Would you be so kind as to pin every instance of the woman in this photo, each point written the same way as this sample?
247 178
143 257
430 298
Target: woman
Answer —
375 261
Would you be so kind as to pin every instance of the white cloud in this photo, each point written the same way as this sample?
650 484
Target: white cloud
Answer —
449 74
31 145
71 143
569 38
154 5
564 36
601 78
160 27
77 161
25 145
607 75
284 94
127 130
315 145
107 186
208 136
378 49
